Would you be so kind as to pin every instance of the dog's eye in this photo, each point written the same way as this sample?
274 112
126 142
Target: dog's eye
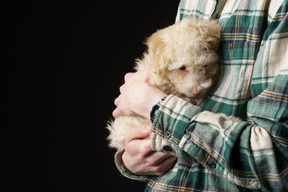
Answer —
183 68
204 66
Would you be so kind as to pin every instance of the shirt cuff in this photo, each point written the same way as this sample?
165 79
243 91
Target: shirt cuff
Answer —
124 171
171 122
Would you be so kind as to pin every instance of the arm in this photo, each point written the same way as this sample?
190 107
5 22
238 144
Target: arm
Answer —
138 159
245 154
253 152
249 153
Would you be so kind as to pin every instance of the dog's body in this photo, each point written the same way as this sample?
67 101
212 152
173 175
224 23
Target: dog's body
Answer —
183 59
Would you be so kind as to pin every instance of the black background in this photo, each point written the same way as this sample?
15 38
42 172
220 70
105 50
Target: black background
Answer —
67 60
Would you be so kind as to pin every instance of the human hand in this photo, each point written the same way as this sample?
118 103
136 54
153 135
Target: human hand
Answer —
138 95
138 156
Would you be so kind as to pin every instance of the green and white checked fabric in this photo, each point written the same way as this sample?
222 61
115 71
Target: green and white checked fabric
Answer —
237 140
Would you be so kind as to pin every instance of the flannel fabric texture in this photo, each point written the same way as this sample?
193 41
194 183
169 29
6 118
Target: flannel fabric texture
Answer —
237 140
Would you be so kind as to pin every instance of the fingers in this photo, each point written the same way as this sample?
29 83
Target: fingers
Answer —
116 113
137 133
149 165
121 88
127 76
158 158
139 157
116 101
166 165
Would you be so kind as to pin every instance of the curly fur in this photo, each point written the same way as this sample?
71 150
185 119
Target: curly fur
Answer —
183 59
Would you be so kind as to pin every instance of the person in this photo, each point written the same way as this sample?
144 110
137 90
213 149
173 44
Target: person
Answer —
237 139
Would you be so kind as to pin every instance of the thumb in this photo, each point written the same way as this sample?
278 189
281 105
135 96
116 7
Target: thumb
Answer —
137 133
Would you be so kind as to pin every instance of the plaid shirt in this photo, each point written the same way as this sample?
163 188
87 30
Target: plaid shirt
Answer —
238 138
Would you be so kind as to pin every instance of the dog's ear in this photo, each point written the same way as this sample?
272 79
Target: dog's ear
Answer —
158 52
210 32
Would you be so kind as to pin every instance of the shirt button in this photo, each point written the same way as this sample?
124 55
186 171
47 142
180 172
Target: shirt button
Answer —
212 165
167 148
168 134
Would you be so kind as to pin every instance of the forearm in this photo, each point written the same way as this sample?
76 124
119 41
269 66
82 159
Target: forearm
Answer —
243 153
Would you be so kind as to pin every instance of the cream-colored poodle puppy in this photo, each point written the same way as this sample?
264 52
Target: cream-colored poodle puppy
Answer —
183 59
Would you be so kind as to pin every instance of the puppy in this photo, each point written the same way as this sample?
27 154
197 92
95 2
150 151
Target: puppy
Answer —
183 59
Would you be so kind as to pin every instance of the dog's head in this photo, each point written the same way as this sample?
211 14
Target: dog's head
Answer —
183 56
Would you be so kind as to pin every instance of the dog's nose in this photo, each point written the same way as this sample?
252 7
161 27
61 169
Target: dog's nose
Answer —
196 91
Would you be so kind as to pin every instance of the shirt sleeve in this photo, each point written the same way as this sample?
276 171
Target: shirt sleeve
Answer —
244 153
250 152
124 171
